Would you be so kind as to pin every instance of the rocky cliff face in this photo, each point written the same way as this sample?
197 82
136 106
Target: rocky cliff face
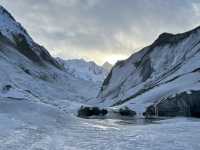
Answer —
152 76
12 31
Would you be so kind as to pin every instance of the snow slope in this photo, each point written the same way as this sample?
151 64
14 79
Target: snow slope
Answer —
9 26
168 67
28 71
34 126
82 69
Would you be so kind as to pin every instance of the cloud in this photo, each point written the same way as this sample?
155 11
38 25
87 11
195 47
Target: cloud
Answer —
94 29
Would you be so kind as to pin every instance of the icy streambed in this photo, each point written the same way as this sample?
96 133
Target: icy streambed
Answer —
34 126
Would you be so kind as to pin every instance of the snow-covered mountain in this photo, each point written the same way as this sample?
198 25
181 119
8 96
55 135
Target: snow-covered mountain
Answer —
107 66
161 79
81 69
37 96
28 71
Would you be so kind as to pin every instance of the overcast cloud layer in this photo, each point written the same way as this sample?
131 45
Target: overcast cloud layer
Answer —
102 30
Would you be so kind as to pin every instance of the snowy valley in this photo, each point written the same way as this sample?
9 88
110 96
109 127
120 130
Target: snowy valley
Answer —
40 95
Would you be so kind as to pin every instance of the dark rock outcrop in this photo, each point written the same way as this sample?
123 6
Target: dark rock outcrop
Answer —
85 112
6 88
127 112
25 49
36 53
146 69
182 104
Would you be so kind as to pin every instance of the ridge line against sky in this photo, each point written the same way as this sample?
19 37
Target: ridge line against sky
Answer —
102 30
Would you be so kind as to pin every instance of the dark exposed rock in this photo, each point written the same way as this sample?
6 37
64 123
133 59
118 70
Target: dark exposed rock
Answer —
104 112
168 38
120 63
44 54
109 76
107 80
95 111
165 38
182 104
84 112
6 88
36 53
127 112
27 71
25 49
4 40
91 111
146 69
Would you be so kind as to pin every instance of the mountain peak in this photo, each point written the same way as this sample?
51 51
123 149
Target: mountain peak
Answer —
3 11
107 66
169 38
9 27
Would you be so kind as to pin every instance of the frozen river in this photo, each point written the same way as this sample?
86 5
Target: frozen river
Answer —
32 126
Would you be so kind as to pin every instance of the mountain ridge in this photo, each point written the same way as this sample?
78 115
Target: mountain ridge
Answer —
30 72
155 66
86 70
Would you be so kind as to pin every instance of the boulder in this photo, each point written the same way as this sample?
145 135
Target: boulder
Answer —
91 111
127 112
183 104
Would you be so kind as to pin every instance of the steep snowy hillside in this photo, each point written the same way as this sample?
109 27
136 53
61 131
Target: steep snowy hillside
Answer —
161 79
29 72
9 26
82 69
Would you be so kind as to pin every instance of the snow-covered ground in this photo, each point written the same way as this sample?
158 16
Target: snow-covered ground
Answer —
39 101
34 126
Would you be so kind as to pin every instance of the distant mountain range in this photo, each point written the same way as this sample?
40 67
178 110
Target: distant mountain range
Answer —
82 69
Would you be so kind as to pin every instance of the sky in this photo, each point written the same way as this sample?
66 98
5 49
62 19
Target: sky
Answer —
102 30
